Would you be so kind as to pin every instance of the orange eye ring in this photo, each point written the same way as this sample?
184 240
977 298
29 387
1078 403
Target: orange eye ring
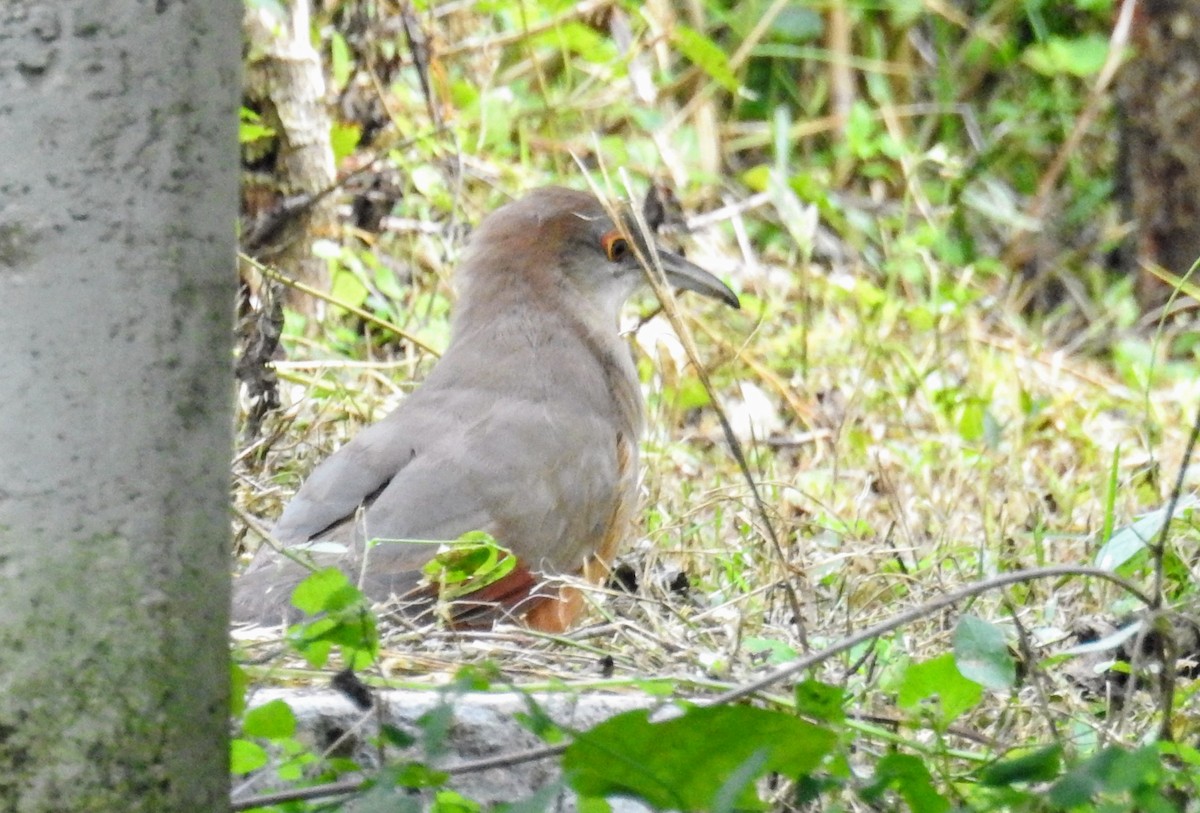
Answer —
616 247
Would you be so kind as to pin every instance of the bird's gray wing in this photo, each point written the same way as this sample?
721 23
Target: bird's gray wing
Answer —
529 457
353 475
322 524
538 475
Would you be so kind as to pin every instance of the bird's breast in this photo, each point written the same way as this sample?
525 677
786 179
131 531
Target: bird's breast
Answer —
560 357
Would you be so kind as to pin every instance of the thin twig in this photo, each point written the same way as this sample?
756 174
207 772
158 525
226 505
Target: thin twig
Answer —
299 794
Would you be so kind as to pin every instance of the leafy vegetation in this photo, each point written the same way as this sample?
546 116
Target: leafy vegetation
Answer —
936 377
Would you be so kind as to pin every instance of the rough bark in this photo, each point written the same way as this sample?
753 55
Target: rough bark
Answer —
118 200
286 200
1159 95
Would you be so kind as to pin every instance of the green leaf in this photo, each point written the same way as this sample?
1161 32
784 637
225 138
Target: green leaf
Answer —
626 755
476 677
1129 770
689 394
588 804
449 801
911 779
1074 790
538 722
1110 494
705 55
314 649
797 24
862 132
325 590
821 701
1041 765
496 112
246 757
354 633
1187 755
757 177
468 564
656 687
346 622
386 282
778 651
251 128
1081 56
238 681
584 42
343 139
1112 770
905 13
981 653
938 678
348 289
417 775
971 420
340 62
1131 540
273 721
248 133
737 791
435 725
395 736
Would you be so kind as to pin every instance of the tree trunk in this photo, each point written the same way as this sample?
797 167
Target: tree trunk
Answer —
1159 94
118 199
288 202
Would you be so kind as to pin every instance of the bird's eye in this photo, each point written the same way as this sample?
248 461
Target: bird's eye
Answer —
615 246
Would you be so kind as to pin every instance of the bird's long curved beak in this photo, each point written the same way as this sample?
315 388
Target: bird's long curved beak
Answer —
691 277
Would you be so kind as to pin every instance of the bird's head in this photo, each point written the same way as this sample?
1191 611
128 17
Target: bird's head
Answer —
557 239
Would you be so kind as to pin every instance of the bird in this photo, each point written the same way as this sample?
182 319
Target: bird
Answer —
526 428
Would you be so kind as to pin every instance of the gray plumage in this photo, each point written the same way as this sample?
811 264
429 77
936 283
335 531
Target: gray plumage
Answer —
526 428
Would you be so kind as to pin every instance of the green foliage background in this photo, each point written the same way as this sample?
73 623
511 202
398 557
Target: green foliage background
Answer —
939 375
